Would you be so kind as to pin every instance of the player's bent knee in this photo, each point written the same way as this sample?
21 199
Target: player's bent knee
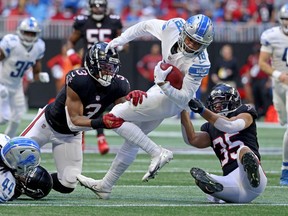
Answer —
57 186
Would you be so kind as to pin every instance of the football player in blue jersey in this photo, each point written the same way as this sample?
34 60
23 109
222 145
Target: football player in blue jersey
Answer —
273 60
98 26
231 133
19 53
184 44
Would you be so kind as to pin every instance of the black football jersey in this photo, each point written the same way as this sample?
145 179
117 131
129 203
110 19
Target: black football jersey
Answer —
226 145
95 98
93 31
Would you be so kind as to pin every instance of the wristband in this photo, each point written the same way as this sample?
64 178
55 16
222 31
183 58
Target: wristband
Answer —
97 123
276 74
70 52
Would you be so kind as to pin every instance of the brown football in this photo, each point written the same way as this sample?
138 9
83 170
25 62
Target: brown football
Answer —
175 77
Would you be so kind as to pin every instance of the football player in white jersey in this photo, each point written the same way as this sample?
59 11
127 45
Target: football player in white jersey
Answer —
184 45
274 48
19 53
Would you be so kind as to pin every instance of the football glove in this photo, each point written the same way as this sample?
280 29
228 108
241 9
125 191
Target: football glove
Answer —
136 96
159 74
116 42
3 92
44 77
108 121
196 106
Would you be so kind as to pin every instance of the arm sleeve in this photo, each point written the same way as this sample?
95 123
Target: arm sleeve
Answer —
183 96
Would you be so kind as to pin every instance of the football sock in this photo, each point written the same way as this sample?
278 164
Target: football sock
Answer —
285 150
135 135
125 156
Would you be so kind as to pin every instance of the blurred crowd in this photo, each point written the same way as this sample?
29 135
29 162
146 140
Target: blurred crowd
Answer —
255 11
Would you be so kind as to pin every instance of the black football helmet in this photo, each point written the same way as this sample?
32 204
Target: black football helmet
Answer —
37 183
223 99
98 9
102 66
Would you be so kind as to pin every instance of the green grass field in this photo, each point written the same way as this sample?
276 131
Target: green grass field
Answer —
173 192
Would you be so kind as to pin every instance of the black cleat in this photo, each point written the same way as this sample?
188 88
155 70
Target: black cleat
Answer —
251 167
206 183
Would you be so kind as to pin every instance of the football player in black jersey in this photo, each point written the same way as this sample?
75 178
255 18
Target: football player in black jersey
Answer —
78 107
231 132
98 26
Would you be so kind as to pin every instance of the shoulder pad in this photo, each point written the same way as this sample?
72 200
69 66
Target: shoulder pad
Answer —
114 16
79 20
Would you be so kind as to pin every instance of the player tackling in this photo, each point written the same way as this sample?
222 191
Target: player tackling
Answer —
183 45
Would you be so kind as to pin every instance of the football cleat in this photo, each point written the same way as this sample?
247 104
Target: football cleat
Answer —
102 145
205 182
284 178
157 163
251 167
95 186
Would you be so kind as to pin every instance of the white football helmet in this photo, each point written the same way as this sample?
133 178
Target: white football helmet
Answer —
198 28
28 31
283 18
21 154
7 186
4 139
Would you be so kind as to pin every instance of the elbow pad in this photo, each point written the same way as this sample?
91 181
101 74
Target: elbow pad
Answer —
229 126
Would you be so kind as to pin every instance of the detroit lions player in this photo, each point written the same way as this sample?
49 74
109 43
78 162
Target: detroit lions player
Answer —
231 133
78 107
274 48
19 53
183 45
18 157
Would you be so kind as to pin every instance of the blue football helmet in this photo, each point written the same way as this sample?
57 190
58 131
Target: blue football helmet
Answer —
283 18
101 65
198 28
21 154
27 27
223 99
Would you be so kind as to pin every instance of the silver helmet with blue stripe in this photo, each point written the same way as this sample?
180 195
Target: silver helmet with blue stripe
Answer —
198 30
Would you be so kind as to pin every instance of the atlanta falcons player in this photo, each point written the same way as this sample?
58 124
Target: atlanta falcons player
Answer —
78 107
98 26
231 132
274 48
19 53
183 45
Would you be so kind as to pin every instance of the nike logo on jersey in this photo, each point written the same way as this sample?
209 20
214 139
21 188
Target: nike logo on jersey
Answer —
201 62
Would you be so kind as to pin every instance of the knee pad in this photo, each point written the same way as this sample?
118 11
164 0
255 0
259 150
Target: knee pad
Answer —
57 186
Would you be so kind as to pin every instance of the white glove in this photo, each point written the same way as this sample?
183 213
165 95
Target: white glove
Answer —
57 71
3 92
119 41
44 77
159 74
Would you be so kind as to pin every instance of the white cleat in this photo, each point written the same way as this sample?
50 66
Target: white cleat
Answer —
157 163
95 186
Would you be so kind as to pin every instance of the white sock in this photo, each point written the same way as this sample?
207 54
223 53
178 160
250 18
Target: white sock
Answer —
125 156
285 150
135 135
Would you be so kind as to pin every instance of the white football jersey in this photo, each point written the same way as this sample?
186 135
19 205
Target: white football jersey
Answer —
8 183
275 42
18 59
194 69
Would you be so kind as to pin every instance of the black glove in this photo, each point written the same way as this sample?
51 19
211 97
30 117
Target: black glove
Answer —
196 106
